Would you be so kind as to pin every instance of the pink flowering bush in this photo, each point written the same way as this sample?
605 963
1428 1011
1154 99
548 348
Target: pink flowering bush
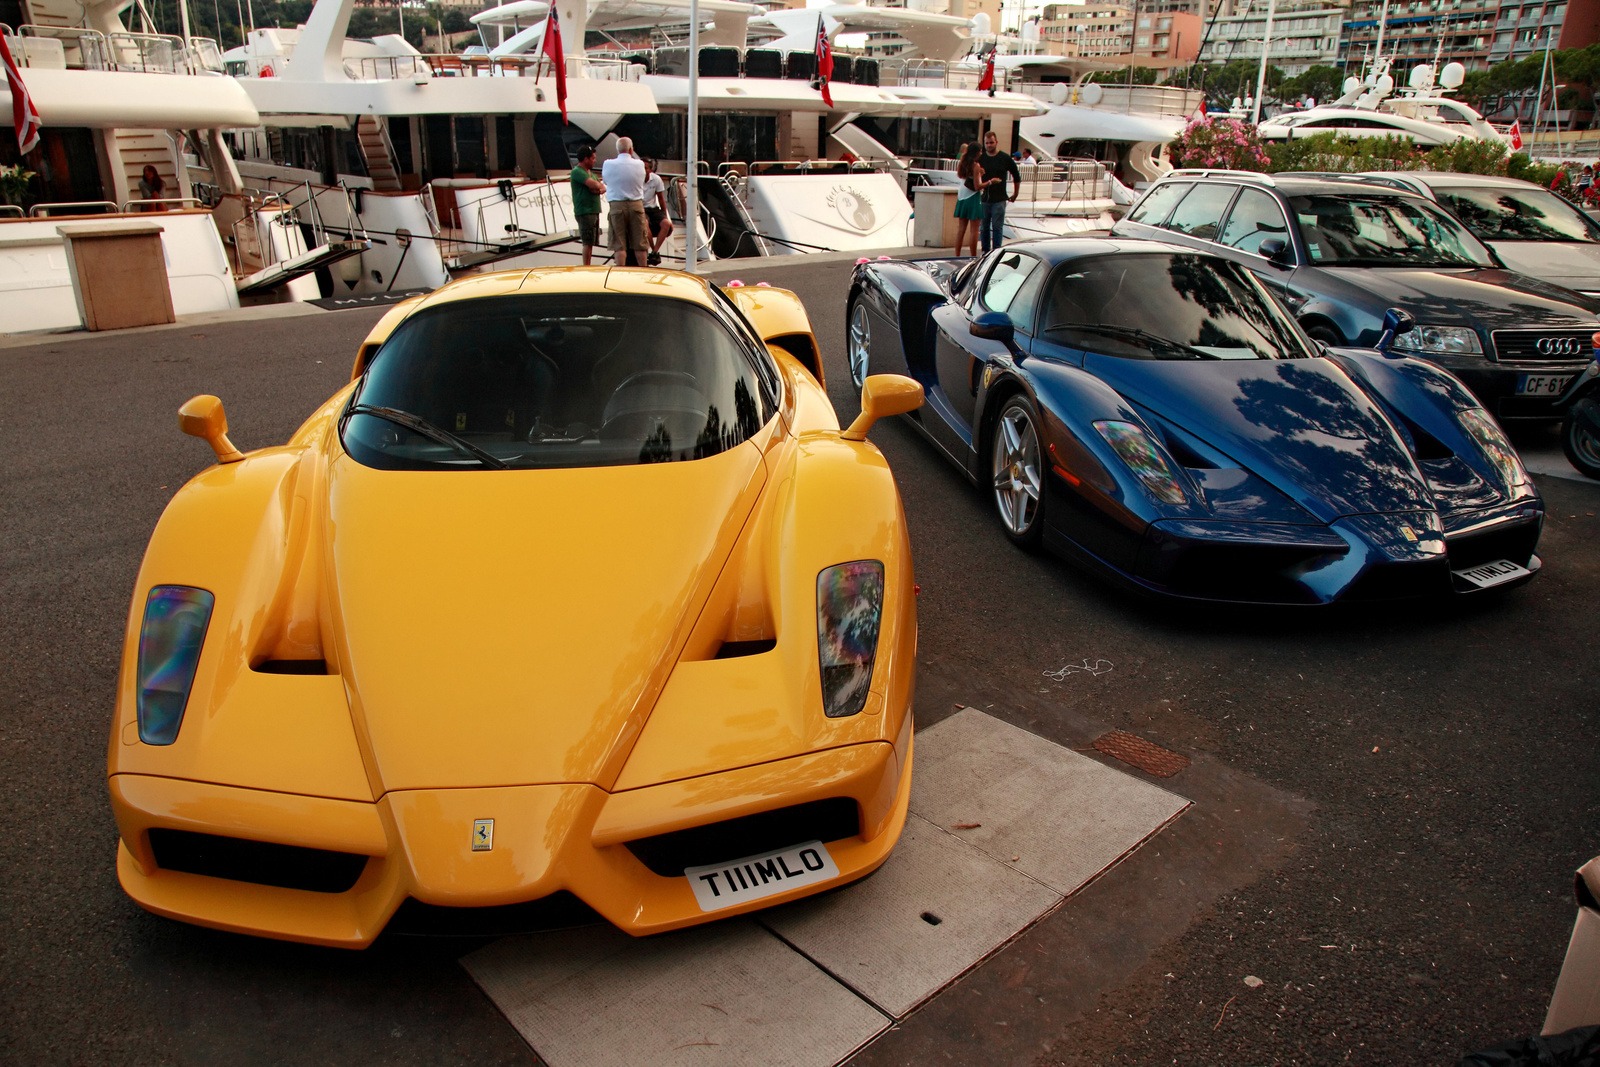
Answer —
1224 143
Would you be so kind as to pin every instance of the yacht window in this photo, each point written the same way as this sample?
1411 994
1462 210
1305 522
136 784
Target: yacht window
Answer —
1201 211
1153 209
1255 217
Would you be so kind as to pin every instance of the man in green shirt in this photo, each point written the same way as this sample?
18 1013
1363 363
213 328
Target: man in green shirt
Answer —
587 188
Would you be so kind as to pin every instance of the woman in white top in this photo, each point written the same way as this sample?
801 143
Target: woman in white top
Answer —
969 205
659 226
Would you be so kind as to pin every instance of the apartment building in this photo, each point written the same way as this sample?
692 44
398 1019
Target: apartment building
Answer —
1477 33
1166 34
1305 33
1089 29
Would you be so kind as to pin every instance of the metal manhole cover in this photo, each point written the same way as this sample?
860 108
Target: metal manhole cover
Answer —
1137 752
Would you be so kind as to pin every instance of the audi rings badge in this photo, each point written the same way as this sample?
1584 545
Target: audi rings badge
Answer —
1559 346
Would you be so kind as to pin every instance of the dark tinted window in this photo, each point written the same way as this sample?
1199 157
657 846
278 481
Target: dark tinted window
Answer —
570 380
1383 231
1152 210
1517 215
1201 211
1011 288
1159 306
1255 217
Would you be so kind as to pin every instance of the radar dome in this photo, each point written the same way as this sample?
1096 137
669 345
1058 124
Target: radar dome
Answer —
1030 32
1421 77
1452 76
980 24
1352 84
1058 93
1385 85
1090 93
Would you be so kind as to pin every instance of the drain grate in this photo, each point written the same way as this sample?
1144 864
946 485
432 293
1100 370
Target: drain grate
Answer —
1137 752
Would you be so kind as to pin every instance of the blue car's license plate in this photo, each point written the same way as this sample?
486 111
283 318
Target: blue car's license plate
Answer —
1542 384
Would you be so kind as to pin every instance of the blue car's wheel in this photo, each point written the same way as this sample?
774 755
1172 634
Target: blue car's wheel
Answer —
859 343
1018 474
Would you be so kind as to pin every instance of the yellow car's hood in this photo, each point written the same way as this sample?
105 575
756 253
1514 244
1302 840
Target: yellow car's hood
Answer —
515 627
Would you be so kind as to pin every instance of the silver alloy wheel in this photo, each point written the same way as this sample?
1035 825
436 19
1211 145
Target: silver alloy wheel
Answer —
1016 469
860 341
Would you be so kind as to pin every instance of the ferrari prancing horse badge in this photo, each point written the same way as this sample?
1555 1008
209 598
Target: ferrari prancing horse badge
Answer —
482 835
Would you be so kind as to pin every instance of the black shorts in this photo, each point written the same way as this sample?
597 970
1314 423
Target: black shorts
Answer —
654 217
589 229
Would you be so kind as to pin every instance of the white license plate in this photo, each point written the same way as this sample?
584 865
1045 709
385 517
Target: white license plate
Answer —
1491 574
727 884
1542 384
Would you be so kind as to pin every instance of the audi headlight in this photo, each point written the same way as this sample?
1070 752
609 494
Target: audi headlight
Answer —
849 608
175 620
1134 447
1440 340
1491 441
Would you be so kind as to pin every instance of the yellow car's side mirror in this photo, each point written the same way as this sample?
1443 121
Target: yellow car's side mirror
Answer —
883 395
203 417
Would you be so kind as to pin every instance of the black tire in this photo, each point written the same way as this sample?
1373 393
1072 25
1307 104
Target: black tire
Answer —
1321 331
1017 468
1580 437
858 341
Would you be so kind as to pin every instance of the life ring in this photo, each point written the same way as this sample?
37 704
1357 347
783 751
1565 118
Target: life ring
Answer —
266 71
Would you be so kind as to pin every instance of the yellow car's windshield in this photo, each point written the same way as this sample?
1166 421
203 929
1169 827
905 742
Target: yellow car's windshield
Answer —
568 380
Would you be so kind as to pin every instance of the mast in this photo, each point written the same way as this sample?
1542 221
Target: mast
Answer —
1266 48
1383 23
692 149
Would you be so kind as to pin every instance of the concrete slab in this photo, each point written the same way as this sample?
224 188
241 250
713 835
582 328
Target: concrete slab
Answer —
1044 810
726 994
937 908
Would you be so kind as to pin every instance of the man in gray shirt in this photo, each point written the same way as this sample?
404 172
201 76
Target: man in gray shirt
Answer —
624 181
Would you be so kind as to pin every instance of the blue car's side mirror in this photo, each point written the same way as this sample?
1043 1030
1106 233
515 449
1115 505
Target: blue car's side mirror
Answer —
993 326
1395 323
1277 251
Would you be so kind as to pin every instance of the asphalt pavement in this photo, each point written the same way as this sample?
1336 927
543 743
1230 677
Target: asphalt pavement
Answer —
1389 801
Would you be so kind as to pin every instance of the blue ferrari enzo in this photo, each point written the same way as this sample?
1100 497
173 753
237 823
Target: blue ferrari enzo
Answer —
1150 412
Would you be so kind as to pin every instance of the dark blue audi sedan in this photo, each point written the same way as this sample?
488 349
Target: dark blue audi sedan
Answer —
1338 254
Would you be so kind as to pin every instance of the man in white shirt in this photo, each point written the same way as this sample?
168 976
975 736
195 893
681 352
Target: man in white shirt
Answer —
624 180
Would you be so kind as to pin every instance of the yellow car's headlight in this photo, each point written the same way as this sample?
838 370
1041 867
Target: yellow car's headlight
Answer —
849 610
174 628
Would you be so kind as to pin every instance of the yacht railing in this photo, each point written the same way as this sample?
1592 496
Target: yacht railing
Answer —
455 65
1144 99
161 203
12 210
72 207
292 210
75 48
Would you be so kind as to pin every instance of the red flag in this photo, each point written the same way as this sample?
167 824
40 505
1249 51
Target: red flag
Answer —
824 62
1516 135
23 114
987 81
552 50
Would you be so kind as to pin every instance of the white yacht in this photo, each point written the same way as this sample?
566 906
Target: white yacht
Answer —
1368 108
114 102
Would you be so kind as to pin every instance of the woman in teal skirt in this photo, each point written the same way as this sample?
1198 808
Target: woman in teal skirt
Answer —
969 205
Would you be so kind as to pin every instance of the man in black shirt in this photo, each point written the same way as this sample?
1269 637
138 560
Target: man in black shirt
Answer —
995 166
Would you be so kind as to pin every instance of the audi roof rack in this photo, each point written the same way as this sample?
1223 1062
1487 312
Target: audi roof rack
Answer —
1204 172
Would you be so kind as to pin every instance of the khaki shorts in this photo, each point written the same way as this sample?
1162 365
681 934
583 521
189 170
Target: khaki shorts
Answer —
589 229
627 225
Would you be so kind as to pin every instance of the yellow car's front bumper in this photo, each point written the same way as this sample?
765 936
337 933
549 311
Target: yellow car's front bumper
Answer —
545 839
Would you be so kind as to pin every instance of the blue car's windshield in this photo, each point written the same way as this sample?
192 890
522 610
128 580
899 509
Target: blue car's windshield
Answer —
1345 230
1162 306
568 380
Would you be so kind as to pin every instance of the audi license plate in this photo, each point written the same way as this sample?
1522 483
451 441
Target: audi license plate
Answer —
1542 384
1488 575
723 885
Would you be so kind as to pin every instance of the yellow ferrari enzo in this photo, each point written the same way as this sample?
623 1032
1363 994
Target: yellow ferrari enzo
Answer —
576 599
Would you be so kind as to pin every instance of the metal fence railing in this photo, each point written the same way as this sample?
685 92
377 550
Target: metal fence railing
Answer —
75 48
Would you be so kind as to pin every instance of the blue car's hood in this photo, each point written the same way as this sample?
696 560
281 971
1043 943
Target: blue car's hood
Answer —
1300 424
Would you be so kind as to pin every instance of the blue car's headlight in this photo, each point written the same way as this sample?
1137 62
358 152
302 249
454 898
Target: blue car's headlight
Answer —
175 620
1491 441
1134 447
849 609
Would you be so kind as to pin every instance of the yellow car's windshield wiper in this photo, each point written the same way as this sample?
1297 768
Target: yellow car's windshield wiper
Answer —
419 425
